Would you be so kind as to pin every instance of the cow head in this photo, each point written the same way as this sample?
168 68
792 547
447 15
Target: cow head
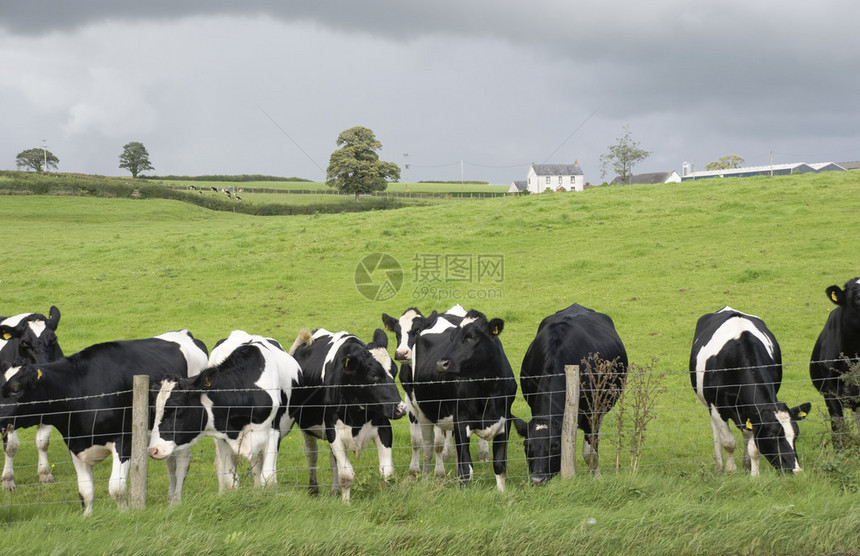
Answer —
542 445
355 378
180 416
35 336
776 434
378 348
406 330
18 379
473 343
848 297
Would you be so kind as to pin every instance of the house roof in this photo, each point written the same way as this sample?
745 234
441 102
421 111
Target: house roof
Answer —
649 178
794 167
521 185
557 169
853 165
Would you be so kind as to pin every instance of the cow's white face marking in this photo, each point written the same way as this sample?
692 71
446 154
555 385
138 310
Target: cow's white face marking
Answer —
381 355
467 321
337 340
167 387
728 331
405 322
10 372
38 326
785 420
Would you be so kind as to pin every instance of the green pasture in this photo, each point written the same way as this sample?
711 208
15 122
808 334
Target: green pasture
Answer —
396 187
653 257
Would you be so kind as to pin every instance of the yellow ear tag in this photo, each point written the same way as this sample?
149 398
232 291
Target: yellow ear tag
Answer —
6 336
801 414
749 424
346 363
496 331
206 382
38 374
834 297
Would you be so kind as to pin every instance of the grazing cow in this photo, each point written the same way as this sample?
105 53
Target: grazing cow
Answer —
406 330
87 397
461 381
572 336
736 371
347 398
240 400
29 337
835 351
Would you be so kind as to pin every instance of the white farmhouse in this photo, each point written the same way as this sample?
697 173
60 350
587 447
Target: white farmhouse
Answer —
555 177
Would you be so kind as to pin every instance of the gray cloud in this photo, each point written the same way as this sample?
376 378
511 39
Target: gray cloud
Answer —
493 84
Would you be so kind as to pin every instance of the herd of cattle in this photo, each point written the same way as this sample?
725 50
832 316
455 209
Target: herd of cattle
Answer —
249 392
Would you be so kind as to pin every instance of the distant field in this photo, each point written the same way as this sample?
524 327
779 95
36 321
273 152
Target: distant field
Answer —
652 257
303 185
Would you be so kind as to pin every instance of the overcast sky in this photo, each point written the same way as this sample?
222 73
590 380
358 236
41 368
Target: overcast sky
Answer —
479 87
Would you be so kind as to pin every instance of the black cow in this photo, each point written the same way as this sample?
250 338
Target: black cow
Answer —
87 397
573 336
461 381
406 330
835 351
736 371
240 400
29 337
347 398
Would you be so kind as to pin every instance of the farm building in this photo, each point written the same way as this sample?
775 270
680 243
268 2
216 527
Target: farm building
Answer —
651 178
770 170
552 177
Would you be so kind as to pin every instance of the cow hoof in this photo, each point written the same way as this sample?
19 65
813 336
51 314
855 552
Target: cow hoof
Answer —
46 479
8 484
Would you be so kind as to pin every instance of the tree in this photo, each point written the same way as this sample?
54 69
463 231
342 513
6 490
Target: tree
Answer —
725 163
134 158
355 167
622 156
35 159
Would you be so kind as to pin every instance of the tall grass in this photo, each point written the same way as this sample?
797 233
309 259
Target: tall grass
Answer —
653 257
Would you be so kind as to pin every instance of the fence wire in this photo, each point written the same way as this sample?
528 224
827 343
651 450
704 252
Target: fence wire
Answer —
677 438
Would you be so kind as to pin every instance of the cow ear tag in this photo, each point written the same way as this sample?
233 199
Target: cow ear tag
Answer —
38 374
346 363
749 425
206 382
496 331
801 414
6 336
834 297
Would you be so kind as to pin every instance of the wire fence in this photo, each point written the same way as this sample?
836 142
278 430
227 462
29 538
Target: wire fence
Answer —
676 438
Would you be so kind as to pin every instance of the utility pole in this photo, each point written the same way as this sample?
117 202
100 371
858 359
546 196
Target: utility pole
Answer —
405 167
45 152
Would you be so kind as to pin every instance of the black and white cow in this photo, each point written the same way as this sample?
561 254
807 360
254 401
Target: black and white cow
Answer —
406 330
572 336
736 371
87 397
347 398
240 400
461 381
835 351
28 337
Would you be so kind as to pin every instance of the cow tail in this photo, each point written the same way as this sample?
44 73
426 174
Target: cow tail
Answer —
305 338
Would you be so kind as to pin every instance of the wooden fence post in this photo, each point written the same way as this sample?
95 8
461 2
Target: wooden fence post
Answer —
569 424
139 442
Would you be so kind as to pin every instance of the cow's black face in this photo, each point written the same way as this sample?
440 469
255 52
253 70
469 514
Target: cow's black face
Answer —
179 418
366 385
473 343
777 435
543 449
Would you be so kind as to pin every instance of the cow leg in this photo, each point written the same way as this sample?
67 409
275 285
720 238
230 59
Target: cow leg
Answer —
269 460
442 440
500 456
118 478
225 466
84 472
10 448
483 450
428 446
341 470
312 455
177 469
464 458
752 454
416 441
384 440
723 440
43 439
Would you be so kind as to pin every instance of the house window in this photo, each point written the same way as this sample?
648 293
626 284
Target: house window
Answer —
547 180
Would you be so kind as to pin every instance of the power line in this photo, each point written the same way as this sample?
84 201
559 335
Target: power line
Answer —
290 138
572 133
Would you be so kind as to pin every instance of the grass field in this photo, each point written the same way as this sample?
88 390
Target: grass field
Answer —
653 257
396 187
